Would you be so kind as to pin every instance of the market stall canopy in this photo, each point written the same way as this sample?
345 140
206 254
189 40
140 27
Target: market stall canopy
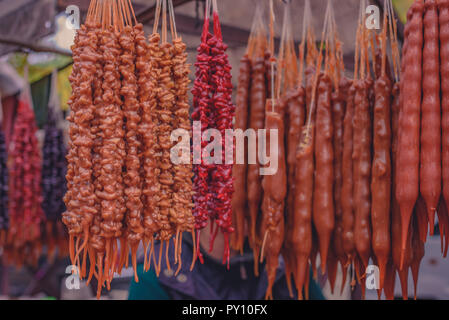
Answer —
26 21
10 81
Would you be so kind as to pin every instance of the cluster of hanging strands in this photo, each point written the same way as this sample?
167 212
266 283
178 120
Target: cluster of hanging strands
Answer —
122 188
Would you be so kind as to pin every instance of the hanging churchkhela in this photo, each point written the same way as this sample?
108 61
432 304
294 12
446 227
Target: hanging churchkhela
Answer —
272 223
443 20
345 180
212 106
255 85
295 241
362 157
122 186
256 121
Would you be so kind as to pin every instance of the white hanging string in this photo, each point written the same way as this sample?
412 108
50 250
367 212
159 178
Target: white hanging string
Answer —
54 102
281 56
164 21
156 17
302 46
315 80
393 40
26 93
207 9
171 11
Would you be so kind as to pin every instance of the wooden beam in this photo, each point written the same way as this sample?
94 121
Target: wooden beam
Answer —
189 25
146 15
184 23
83 5
7 7
232 35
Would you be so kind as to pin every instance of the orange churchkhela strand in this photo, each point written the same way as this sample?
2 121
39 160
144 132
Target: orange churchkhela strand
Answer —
183 189
80 198
164 112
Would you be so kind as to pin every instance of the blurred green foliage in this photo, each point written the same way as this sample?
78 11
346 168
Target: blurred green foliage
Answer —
40 70
401 7
40 81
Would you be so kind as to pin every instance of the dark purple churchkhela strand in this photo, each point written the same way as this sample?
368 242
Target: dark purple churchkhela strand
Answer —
4 217
53 169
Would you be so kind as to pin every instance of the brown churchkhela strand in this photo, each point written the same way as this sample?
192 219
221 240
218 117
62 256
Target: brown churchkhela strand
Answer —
443 8
309 77
381 166
256 122
381 174
302 217
398 98
408 158
430 163
390 273
275 191
396 221
295 121
239 203
347 201
323 206
338 112
362 171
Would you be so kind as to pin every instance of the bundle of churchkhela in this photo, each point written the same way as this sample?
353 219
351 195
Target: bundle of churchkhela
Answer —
443 20
421 188
362 91
254 86
172 187
294 120
316 149
213 108
298 242
364 172
23 245
271 231
53 177
128 96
